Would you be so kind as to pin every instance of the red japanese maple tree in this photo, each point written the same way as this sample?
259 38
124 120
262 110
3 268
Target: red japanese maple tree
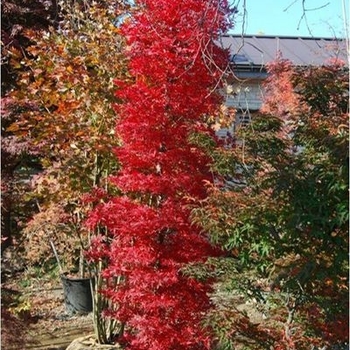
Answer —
176 66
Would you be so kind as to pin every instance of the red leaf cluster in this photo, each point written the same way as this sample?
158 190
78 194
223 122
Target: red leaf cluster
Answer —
174 64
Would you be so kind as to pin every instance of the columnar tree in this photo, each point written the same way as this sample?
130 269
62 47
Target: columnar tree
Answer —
175 65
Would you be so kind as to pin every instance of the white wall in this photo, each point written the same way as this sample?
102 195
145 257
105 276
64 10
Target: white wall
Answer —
245 96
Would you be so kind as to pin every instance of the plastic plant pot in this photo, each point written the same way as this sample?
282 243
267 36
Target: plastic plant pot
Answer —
77 294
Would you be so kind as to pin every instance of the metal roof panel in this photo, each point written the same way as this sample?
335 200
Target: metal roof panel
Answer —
301 51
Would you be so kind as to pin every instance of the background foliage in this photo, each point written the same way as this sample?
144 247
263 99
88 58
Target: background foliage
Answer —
60 118
286 230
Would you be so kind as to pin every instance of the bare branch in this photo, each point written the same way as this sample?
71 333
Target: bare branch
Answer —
304 13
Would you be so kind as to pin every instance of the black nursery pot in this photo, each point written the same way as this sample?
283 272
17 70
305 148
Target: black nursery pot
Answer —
77 294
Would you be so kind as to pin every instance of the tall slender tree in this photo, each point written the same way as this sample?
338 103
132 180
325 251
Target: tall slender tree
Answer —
175 65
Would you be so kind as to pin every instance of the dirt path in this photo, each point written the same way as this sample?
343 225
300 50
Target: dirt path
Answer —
43 322
56 330
59 338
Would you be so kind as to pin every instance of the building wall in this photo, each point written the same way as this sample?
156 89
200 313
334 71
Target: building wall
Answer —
245 96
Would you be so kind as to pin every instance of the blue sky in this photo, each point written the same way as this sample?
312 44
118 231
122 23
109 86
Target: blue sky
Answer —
281 17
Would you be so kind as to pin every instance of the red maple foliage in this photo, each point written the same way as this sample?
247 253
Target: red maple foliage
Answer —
176 66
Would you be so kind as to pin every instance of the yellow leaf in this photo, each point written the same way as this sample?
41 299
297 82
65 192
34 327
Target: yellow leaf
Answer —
13 127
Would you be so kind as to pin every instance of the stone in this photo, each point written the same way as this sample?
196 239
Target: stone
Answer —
89 342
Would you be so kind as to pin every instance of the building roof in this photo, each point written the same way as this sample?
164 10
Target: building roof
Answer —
255 51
